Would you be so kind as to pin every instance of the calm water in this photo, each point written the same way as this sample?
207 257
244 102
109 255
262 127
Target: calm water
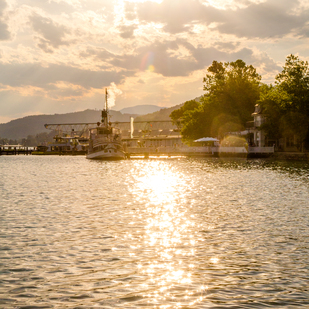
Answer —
158 233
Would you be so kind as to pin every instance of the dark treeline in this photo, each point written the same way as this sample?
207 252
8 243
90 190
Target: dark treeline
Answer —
232 90
30 141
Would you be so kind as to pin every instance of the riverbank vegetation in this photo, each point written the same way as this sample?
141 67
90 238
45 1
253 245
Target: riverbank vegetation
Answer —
30 140
232 90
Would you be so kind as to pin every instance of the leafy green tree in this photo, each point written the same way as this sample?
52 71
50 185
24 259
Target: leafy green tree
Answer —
233 89
38 139
30 141
4 141
191 124
178 114
294 80
272 101
231 92
223 123
286 105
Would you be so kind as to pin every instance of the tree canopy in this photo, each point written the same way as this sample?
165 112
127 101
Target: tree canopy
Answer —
294 80
286 105
231 91
178 114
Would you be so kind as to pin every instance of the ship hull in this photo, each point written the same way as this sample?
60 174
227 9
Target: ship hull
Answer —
106 155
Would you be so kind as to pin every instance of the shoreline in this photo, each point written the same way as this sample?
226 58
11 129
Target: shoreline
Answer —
291 156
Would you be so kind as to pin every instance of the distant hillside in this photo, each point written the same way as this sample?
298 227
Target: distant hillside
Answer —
32 125
140 109
162 114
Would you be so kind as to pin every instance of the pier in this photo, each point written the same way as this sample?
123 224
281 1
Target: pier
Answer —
15 150
206 151
152 151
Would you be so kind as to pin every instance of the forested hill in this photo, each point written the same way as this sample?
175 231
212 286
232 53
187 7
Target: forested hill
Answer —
162 114
32 125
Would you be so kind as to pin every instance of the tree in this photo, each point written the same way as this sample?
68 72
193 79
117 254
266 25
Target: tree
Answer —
231 91
294 80
4 141
233 87
191 124
272 101
286 105
178 114
38 139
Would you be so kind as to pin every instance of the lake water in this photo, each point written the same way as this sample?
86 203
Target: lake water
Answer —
156 233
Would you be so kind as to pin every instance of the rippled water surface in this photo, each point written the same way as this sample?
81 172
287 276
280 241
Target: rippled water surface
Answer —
157 233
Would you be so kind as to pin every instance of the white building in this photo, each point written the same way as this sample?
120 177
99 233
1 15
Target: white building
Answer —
256 135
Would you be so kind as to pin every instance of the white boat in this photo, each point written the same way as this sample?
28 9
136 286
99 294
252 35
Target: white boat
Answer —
105 141
64 145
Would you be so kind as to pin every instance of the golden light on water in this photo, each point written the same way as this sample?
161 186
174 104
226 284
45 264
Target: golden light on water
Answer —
168 231
214 260
154 233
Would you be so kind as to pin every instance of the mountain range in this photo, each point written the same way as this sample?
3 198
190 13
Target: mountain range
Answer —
141 109
31 125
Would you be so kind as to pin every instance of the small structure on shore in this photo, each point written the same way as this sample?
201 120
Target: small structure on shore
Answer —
63 145
15 150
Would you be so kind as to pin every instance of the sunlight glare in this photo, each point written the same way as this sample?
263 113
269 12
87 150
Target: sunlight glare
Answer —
159 191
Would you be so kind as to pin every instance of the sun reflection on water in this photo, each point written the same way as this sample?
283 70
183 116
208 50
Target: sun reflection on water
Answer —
168 233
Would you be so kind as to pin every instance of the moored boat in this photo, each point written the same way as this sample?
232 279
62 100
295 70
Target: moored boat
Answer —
105 141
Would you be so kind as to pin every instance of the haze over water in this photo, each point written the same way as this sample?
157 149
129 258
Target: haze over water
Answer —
157 233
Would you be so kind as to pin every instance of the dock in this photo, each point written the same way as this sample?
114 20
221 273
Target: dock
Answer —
15 150
162 151
206 151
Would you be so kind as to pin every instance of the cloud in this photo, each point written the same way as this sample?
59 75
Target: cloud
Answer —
54 7
4 29
3 5
178 57
27 74
20 106
304 31
62 52
127 32
4 32
99 53
130 10
265 19
52 35
65 91
174 14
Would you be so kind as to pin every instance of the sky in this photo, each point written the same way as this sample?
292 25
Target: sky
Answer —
57 56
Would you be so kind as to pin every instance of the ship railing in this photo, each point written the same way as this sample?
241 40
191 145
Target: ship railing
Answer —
101 140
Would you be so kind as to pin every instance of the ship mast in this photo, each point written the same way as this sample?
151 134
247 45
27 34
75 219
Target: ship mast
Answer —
106 99
104 119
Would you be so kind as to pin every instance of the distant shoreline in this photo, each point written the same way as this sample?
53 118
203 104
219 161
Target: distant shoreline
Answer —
290 156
